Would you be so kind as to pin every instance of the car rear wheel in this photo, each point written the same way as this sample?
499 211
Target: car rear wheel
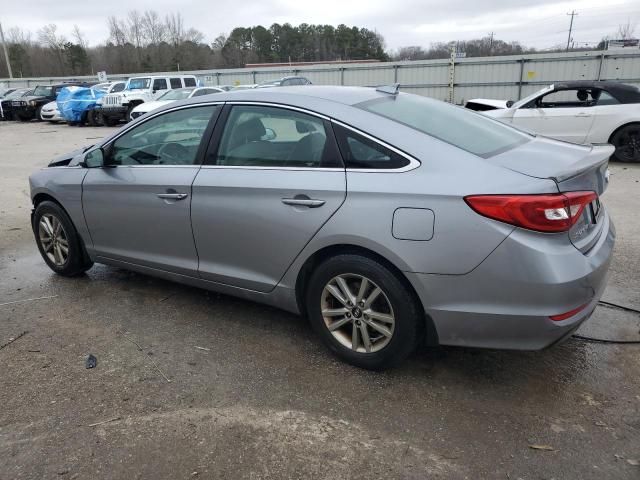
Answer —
58 241
363 312
627 143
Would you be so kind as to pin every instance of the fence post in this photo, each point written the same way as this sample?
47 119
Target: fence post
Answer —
218 78
520 79
452 74
600 66
341 75
254 76
395 74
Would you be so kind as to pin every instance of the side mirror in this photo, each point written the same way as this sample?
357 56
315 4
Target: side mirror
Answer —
94 159
510 103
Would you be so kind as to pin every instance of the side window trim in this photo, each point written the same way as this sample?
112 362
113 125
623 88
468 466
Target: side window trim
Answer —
413 162
206 135
214 143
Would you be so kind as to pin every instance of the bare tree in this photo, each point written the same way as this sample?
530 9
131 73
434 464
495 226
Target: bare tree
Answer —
117 31
79 37
153 29
175 28
626 30
48 36
18 36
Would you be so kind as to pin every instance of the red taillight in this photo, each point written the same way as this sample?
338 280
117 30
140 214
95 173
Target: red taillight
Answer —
543 213
569 314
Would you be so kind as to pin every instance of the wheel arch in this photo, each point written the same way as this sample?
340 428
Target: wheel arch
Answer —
626 124
319 256
40 197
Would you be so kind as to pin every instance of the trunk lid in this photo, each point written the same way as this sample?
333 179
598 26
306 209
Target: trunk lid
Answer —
573 168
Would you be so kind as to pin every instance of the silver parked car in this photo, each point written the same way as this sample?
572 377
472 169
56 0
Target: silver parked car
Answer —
387 218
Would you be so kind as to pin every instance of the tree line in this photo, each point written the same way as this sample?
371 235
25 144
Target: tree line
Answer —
147 42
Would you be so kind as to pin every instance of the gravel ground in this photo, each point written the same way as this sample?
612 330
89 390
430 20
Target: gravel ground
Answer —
191 384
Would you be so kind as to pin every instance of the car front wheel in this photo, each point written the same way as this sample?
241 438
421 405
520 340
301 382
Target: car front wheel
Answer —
58 241
363 311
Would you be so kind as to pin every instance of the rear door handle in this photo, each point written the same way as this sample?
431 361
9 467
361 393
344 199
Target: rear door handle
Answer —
303 202
172 196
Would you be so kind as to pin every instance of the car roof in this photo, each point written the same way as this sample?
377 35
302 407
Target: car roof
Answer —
622 92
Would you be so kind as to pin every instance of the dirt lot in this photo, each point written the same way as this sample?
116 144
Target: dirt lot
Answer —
250 393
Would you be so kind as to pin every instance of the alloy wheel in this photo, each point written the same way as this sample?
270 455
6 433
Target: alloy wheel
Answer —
53 239
628 145
358 313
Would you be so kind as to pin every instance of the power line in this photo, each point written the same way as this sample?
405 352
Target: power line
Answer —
573 14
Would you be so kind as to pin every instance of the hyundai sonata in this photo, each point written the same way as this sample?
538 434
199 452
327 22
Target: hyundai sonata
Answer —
388 219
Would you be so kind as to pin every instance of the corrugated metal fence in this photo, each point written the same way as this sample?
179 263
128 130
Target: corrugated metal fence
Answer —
509 77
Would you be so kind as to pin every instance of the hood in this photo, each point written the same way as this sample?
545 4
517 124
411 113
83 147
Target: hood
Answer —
69 159
148 106
50 106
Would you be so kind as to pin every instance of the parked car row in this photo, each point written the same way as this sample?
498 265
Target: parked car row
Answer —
113 102
584 112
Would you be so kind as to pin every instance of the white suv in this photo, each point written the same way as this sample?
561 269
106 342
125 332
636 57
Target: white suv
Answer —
118 106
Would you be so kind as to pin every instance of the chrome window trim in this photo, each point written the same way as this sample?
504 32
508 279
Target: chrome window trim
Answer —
279 105
413 162
296 169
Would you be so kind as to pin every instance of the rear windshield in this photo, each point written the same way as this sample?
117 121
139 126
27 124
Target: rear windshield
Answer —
41 91
457 126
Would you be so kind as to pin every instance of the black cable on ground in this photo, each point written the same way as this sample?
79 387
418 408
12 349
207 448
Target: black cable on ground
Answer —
604 340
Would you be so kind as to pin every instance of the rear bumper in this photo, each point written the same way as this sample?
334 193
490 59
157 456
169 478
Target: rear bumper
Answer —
507 300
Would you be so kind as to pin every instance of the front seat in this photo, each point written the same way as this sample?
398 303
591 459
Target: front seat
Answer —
245 141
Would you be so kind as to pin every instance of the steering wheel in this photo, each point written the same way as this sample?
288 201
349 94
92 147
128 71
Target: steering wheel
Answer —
173 153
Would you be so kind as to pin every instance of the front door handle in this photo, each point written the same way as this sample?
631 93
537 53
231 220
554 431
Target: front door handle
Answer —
172 196
582 114
303 202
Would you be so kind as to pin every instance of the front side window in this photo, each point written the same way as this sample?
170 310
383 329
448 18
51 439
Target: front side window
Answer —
159 84
189 82
139 83
275 137
169 139
572 98
457 126
41 91
175 83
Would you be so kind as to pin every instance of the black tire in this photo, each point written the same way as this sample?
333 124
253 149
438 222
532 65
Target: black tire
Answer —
38 114
23 119
77 260
109 121
409 322
131 107
92 121
627 143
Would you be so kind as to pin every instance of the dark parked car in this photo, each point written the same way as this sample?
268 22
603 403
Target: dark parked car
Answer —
28 108
6 103
285 82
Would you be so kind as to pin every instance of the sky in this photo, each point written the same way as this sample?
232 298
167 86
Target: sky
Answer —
535 23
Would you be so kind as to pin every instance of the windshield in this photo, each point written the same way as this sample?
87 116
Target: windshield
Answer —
457 126
101 87
526 100
139 83
17 93
178 94
275 83
41 91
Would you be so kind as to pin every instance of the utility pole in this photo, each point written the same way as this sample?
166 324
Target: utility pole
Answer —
6 55
573 14
491 34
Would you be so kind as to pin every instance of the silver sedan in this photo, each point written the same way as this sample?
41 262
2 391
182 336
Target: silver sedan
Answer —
388 219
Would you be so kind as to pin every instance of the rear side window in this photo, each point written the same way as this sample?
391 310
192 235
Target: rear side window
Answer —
457 126
159 84
189 82
360 152
175 83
